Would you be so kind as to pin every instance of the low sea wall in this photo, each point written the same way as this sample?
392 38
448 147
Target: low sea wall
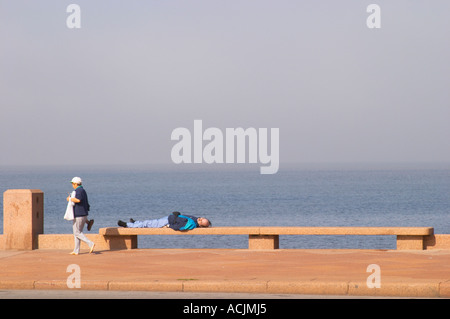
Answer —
23 225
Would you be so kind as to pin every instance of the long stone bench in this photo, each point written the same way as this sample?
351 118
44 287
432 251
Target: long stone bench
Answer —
268 237
23 229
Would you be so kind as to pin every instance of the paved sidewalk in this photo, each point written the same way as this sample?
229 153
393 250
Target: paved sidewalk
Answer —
306 272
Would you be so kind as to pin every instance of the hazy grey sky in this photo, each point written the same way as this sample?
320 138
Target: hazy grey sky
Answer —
112 91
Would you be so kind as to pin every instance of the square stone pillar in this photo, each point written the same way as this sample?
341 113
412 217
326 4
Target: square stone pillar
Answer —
23 218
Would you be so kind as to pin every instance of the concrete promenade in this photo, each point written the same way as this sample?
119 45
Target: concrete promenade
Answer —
424 273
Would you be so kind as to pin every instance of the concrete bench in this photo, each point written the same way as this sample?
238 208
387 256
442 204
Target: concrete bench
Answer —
268 237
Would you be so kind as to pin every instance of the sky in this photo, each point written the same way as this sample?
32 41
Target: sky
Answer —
112 91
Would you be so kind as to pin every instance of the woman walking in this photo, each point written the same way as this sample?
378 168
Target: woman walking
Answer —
80 213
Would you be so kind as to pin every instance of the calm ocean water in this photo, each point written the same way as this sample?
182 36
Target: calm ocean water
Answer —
243 197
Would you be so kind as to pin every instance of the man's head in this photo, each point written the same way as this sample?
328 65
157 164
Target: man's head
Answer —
203 222
76 181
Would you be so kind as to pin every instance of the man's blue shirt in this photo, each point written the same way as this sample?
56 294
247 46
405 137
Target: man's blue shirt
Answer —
81 208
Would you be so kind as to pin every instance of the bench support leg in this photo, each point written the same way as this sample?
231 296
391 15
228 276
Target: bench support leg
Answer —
406 242
263 242
121 242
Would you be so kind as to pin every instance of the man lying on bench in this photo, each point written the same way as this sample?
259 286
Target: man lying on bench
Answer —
176 221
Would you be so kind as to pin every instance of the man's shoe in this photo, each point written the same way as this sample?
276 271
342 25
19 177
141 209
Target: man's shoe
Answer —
89 224
122 223
132 220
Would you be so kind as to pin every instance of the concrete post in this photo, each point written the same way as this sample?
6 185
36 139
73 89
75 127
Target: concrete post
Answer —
23 218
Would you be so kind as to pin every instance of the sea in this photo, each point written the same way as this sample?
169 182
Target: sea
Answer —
298 195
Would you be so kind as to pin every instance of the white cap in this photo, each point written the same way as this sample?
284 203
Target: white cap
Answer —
76 180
